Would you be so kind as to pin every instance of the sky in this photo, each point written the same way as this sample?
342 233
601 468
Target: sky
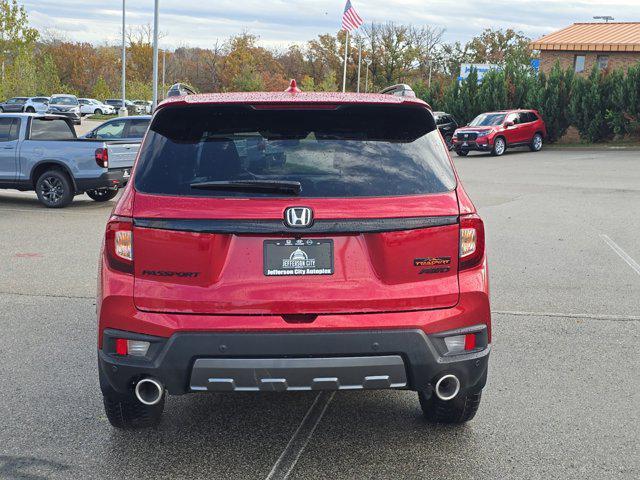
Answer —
279 23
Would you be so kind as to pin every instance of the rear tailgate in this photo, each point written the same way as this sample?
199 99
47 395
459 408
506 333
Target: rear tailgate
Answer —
181 267
384 236
122 154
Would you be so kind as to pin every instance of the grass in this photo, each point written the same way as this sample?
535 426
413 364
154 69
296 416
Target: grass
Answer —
100 117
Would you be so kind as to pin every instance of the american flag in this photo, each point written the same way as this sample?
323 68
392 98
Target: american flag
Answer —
350 18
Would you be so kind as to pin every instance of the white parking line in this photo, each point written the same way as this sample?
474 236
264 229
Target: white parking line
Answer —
621 253
291 454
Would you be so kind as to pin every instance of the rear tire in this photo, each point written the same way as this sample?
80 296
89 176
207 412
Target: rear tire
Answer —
102 194
462 153
54 189
128 413
461 409
536 143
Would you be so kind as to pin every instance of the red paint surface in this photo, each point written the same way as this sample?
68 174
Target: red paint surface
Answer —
375 284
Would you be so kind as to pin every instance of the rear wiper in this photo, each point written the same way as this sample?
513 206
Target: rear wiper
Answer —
261 186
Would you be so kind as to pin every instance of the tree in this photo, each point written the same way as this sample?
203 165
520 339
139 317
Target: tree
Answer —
588 106
101 90
500 47
555 94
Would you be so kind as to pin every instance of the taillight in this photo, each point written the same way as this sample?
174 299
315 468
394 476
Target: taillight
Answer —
102 157
119 244
471 241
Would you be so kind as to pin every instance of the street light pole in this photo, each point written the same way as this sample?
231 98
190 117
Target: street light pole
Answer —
155 56
164 71
123 108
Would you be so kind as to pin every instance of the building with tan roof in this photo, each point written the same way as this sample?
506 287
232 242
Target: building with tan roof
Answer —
582 45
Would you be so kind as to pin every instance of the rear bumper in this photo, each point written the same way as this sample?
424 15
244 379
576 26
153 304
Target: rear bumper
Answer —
113 178
359 359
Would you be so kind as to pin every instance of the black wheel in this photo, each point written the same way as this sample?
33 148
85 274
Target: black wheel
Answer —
30 110
536 143
54 189
499 147
102 195
449 141
129 413
462 153
97 111
461 409
1 110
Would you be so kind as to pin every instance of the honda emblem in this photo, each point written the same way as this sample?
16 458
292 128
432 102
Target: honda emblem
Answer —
298 217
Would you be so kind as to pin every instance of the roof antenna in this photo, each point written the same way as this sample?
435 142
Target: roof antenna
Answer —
293 87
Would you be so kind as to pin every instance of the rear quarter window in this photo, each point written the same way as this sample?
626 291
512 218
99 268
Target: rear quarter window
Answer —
346 151
54 129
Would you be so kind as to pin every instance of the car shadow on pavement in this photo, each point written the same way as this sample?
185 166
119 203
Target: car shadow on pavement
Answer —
212 435
29 200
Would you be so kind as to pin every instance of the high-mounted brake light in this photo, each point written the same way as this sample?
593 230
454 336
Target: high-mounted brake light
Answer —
102 157
471 241
119 244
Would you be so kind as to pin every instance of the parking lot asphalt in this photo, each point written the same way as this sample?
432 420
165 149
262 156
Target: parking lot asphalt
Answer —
562 399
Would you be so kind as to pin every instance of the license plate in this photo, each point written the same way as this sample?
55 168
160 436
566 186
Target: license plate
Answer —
302 256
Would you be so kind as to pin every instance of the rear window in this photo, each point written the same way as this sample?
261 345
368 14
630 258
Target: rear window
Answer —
347 151
50 129
137 128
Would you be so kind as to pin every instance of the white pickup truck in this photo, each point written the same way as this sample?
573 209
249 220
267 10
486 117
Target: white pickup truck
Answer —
42 153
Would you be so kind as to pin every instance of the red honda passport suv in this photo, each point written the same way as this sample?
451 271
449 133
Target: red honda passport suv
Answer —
293 242
496 131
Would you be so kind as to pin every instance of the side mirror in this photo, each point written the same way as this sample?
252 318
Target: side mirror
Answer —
91 134
509 124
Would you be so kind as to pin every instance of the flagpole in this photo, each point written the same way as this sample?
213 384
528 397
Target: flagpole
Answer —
344 72
359 60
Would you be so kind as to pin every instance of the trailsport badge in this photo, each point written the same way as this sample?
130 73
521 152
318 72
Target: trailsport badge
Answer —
302 256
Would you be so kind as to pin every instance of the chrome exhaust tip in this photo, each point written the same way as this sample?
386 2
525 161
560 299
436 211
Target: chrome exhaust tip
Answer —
149 391
447 387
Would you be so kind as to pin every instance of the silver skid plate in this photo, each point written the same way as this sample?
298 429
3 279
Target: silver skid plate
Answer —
295 374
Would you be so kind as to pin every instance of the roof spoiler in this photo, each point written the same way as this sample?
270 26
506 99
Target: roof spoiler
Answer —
399 90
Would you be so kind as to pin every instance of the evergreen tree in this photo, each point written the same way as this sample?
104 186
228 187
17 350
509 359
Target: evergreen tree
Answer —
554 96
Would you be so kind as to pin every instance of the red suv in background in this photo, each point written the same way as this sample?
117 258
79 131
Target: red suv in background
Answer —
293 242
496 131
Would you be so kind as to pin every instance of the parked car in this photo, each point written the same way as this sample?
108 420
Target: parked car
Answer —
180 90
65 105
41 153
121 128
36 105
447 125
145 105
15 104
131 107
496 131
355 260
91 106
